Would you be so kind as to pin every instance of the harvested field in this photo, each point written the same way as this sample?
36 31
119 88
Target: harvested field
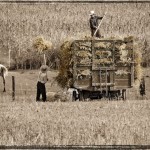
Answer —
77 123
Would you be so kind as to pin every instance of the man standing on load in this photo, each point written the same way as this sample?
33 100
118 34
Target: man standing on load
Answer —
94 24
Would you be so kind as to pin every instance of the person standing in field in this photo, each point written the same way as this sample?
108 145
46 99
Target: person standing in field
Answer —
142 87
94 24
42 79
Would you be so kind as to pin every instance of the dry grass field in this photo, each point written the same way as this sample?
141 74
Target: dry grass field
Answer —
26 122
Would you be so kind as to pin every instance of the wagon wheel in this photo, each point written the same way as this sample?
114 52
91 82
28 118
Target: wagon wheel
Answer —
74 96
124 94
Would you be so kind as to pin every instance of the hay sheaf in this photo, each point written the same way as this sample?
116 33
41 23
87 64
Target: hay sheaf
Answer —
103 61
65 76
65 64
56 97
41 44
84 54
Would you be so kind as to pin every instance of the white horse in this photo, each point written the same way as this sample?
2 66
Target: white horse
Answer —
3 74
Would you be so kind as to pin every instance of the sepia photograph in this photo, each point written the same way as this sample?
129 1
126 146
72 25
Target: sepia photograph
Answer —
74 74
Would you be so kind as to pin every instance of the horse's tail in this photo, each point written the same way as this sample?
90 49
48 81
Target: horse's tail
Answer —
5 70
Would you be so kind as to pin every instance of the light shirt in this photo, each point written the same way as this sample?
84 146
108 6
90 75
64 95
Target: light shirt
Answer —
42 77
70 93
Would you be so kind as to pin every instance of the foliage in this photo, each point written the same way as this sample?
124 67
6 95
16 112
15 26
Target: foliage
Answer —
32 58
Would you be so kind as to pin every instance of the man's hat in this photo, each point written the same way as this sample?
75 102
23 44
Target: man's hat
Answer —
92 12
44 68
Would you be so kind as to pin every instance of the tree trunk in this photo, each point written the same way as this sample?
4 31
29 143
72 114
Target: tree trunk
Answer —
44 59
25 66
22 65
30 65
17 66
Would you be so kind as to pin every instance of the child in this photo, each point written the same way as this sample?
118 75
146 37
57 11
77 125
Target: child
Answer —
42 79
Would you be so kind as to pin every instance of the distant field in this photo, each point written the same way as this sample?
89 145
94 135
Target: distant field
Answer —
21 23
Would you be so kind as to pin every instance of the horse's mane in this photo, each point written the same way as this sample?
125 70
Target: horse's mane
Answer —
5 70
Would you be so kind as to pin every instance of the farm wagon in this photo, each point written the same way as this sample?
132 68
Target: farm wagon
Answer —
103 68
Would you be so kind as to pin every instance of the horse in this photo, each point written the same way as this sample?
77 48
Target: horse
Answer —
3 74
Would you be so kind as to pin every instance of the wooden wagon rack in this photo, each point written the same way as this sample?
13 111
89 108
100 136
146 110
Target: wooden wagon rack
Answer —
106 70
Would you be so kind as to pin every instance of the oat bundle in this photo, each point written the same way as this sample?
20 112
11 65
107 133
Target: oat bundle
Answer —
42 45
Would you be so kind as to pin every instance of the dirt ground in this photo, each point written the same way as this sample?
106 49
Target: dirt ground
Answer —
26 80
25 83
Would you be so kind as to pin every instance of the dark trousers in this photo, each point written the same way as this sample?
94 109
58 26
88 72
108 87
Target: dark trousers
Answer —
41 90
97 33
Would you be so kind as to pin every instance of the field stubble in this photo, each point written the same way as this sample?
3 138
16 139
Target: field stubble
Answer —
105 122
